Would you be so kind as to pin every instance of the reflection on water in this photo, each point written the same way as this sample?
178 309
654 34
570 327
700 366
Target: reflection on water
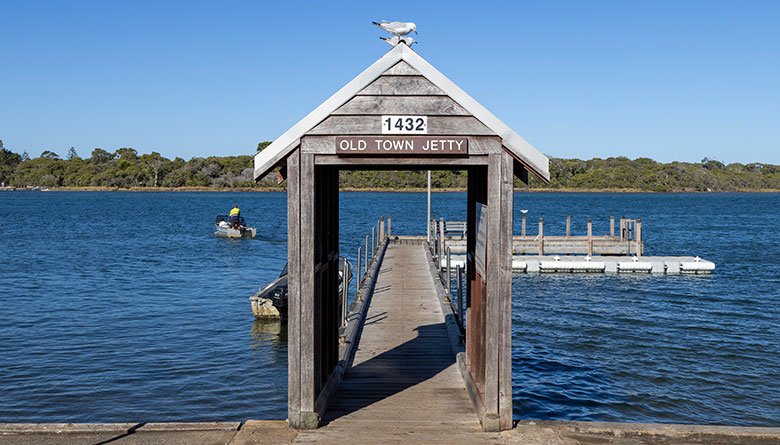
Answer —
269 343
269 330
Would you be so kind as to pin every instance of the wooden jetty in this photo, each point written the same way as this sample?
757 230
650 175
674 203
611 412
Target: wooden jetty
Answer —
627 241
398 114
404 381
614 253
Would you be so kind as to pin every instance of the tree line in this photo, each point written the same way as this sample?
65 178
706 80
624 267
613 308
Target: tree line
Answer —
126 168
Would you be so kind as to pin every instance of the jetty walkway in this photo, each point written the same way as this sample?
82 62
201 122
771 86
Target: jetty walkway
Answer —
404 383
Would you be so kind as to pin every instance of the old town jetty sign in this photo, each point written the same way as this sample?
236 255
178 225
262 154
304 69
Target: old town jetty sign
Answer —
402 145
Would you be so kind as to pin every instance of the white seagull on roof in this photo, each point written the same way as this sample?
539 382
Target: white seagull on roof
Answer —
397 28
393 41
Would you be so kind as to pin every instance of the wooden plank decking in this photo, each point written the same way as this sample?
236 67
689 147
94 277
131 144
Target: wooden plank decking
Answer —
404 385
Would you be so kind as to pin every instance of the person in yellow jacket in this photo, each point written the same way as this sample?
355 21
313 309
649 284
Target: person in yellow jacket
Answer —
235 213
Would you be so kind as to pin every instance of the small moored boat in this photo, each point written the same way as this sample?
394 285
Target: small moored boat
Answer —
225 230
271 300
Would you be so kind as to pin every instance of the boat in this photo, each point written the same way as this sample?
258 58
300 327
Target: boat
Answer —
225 231
270 301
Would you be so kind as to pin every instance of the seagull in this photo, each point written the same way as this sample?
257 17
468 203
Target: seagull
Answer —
393 41
397 28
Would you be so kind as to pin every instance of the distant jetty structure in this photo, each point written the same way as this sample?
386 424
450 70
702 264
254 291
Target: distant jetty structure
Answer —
621 252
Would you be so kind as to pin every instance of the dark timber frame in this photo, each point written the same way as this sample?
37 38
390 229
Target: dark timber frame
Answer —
400 83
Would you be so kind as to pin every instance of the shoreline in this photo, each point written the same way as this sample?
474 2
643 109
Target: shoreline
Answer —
377 189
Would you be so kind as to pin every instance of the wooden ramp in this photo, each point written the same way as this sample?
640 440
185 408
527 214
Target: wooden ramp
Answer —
404 385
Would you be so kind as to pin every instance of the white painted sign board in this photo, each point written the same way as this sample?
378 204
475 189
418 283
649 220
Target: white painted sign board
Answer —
404 124
480 250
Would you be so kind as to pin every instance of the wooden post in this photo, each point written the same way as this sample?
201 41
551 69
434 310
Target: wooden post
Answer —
475 289
590 237
373 241
639 237
505 293
381 230
294 289
366 253
492 333
568 225
541 237
389 233
611 225
522 232
309 365
622 228
497 399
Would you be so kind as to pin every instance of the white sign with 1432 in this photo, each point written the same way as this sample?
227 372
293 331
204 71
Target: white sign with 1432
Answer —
404 124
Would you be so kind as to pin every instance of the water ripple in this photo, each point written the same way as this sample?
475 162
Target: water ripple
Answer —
130 310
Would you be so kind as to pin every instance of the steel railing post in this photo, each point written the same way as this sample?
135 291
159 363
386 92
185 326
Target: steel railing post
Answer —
459 273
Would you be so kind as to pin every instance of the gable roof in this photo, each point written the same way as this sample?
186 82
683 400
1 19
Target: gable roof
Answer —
518 147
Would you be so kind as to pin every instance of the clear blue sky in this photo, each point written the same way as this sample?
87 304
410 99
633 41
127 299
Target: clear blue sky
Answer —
670 80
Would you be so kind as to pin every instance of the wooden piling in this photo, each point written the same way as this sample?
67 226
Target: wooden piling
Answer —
623 231
541 236
590 237
611 225
381 229
639 237
568 225
389 233
523 229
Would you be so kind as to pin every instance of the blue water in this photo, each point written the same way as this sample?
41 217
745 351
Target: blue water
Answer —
123 307
674 349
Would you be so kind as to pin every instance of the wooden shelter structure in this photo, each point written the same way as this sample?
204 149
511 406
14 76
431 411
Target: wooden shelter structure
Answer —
400 113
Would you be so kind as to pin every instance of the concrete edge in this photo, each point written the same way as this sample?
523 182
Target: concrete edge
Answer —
64 428
704 433
281 424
